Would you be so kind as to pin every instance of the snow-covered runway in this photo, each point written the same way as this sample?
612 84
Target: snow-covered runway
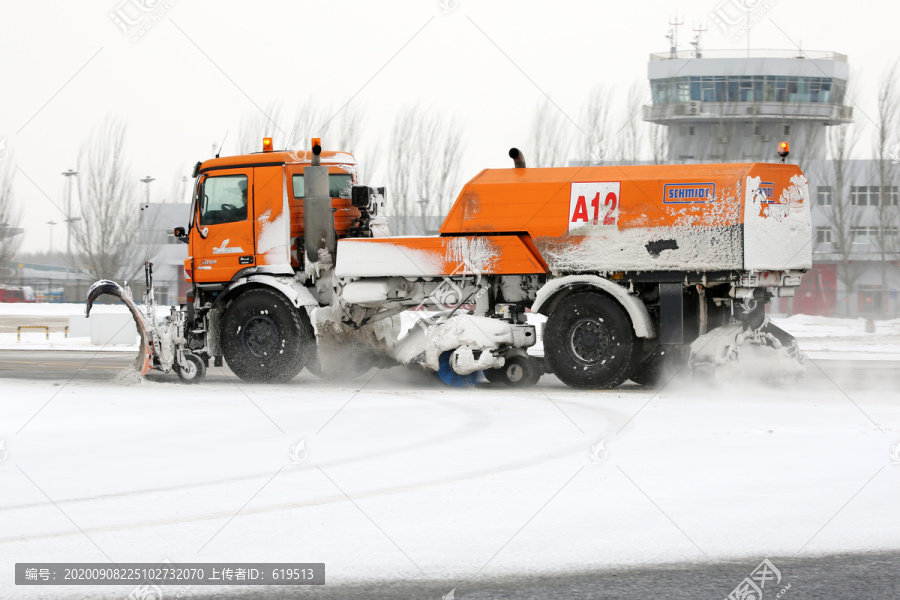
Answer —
393 476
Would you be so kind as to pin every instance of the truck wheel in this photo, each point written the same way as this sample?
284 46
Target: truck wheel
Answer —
264 339
522 372
588 341
495 375
517 372
194 371
658 367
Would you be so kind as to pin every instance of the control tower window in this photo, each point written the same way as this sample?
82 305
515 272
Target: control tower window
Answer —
747 88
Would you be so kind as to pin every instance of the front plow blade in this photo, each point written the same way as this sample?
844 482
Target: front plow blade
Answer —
105 286
768 353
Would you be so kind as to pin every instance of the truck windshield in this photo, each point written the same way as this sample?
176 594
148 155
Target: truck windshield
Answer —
339 185
223 199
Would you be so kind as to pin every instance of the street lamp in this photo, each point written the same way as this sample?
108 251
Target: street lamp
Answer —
147 180
69 220
51 224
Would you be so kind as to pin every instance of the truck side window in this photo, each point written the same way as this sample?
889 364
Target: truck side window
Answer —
339 185
223 199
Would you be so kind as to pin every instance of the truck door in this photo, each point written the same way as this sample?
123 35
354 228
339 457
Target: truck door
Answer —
224 244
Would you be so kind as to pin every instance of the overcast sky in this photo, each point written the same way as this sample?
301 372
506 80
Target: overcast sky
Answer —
198 67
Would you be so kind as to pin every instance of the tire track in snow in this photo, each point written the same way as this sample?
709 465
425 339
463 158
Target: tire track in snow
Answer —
612 418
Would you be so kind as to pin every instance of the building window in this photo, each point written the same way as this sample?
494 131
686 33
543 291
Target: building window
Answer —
687 130
757 129
747 88
891 195
787 130
864 235
864 195
823 235
823 195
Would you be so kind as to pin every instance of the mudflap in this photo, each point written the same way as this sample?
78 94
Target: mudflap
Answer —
737 350
142 363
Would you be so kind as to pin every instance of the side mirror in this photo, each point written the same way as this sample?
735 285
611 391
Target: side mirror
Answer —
181 235
361 195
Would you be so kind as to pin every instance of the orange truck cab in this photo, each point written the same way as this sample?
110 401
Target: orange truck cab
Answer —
247 216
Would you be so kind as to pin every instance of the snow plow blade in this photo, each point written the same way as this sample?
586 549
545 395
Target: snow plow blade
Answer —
105 286
736 350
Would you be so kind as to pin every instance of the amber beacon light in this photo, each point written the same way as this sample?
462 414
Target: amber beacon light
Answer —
783 150
267 144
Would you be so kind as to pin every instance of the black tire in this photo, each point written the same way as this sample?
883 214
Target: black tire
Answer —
589 341
194 372
495 375
264 339
522 372
660 366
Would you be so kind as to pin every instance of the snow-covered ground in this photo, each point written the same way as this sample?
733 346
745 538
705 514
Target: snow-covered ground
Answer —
844 339
399 477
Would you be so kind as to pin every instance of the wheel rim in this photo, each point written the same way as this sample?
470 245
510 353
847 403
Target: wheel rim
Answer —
189 370
515 373
589 341
260 336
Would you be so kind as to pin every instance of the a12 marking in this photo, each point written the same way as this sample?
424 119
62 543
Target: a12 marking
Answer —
594 203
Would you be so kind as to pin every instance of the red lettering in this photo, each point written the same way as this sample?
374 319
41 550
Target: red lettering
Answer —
580 210
596 204
612 202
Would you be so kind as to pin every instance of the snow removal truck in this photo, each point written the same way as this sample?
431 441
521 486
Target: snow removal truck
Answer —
636 268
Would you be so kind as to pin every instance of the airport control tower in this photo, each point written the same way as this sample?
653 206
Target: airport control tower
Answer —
735 106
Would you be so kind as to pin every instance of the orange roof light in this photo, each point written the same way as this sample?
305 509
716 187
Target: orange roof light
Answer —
317 142
267 144
784 149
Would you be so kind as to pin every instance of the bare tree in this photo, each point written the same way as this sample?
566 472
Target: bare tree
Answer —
339 128
343 129
887 123
841 214
308 120
401 163
105 238
9 213
631 140
657 139
426 149
597 143
259 124
551 137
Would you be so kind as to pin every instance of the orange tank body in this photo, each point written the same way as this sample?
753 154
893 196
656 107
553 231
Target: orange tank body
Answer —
654 217
699 218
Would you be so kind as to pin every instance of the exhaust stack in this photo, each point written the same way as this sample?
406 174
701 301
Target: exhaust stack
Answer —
318 216
518 158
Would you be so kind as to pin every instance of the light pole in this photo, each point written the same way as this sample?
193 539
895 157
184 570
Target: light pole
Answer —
51 224
69 220
147 180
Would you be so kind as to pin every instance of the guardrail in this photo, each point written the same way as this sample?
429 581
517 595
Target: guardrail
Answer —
46 329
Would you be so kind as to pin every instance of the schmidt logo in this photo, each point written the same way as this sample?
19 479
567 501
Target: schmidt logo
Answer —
767 192
689 193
